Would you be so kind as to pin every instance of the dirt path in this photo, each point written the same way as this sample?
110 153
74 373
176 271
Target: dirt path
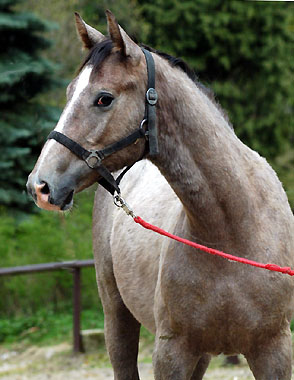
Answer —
106 373
58 363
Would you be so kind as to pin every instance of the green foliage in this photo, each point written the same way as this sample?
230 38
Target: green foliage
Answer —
24 121
66 49
128 14
46 326
46 237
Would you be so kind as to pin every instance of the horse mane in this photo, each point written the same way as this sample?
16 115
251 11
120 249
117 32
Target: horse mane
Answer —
102 50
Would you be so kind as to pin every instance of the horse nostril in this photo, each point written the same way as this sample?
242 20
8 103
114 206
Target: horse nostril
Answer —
68 199
42 191
45 189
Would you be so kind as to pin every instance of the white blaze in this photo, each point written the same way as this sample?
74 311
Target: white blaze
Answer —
82 83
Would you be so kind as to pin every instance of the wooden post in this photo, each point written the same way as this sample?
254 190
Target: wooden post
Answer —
77 339
74 266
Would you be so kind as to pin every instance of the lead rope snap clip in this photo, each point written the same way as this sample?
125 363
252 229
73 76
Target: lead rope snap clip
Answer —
121 203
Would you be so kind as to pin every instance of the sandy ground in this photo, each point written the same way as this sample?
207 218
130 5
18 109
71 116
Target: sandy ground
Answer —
59 363
106 373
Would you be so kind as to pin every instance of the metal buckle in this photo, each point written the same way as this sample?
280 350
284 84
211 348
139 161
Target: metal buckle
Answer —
151 96
94 159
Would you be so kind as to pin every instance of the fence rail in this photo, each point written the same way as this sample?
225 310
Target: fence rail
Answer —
75 267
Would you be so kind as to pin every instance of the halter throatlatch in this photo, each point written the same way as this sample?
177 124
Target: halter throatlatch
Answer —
147 130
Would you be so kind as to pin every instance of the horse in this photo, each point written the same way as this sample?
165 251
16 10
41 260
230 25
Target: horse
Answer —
203 184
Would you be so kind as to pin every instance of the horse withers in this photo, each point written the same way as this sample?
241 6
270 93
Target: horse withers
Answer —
205 185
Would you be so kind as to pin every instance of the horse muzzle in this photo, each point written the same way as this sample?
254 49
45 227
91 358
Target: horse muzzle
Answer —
49 197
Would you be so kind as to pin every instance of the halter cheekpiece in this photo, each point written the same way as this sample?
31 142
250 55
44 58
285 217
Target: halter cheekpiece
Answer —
147 130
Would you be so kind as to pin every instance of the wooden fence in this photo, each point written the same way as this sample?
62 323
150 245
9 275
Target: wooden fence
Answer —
75 267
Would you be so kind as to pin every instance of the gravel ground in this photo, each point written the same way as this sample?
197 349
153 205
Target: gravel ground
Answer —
58 363
106 373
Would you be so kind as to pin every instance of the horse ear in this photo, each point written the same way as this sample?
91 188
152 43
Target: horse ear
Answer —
88 35
121 41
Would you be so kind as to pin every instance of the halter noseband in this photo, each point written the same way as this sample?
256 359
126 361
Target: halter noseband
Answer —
94 158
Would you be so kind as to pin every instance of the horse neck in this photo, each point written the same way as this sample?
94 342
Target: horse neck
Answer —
200 155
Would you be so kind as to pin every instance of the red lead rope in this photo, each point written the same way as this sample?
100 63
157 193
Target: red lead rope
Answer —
272 267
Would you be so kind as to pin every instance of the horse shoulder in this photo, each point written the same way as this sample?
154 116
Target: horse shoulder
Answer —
135 251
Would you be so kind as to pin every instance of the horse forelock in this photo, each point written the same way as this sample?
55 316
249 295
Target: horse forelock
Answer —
97 55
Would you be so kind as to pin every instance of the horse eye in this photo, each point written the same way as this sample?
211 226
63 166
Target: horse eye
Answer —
104 100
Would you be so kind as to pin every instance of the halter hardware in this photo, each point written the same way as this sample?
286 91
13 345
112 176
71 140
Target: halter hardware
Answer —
94 158
151 96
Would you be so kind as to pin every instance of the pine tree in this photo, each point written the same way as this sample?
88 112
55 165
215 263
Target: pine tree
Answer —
24 121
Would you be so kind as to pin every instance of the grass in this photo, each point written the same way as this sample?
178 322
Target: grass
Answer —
43 342
46 327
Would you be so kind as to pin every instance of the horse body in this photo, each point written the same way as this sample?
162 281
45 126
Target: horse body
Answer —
209 188
205 297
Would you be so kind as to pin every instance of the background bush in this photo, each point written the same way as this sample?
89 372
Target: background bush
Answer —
42 238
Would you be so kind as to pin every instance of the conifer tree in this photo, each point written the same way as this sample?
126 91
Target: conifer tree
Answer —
24 121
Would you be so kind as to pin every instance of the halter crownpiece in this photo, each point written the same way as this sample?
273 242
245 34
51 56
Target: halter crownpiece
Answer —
151 100
94 158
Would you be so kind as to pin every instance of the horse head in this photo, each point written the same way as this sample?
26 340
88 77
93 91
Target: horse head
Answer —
105 103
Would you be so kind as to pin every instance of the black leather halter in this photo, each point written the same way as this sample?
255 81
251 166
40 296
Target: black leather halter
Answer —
147 130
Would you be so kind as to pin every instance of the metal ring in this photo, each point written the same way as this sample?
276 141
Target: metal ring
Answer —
96 157
118 201
142 123
145 131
